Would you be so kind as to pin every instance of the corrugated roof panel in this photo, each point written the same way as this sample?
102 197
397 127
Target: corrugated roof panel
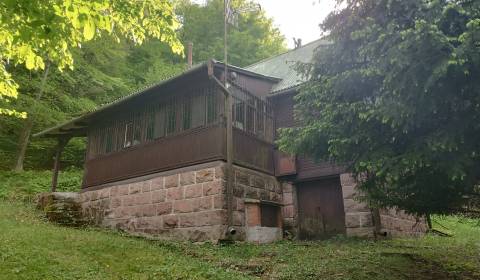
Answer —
282 65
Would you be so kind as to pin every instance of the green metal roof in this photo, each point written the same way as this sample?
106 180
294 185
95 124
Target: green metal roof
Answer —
282 65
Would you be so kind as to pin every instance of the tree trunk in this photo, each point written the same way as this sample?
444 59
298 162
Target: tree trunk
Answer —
27 129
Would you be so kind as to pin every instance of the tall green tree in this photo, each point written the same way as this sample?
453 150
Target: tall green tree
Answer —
253 38
38 34
396 97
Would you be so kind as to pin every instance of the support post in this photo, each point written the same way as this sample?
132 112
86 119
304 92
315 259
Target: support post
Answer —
62 142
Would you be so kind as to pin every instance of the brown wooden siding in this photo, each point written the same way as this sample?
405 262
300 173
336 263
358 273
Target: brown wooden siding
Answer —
252 152
192 147
306 168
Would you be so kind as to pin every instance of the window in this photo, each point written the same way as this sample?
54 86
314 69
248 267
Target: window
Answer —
137 132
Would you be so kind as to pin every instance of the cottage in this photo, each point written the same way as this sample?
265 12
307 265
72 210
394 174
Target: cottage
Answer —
193 158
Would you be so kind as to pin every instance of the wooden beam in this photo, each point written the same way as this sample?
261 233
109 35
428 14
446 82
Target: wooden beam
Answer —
62 142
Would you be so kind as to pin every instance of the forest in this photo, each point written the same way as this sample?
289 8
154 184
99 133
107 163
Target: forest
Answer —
106 69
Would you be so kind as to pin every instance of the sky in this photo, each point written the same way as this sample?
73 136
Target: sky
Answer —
296 18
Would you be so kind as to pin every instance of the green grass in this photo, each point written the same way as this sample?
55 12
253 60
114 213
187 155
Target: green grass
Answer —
23 186
31 248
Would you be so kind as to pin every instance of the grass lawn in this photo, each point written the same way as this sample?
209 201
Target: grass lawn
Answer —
31 248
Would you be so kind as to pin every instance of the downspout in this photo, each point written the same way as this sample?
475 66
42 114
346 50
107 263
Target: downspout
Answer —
229 143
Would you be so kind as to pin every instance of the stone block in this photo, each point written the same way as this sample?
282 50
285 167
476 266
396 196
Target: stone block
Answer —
205 175
123 189
175 193
287 198
219 201
116 202
259 182
135 188
170 221
346 179
187 178
252 193
146 185
157 183
214 187
114 191
220 172
239 190
288 211
287 187
164 208
158 196
171 181
182 206
148 210
352 206
352 220
187 220
238 218
360 232
240 204
143 198
242 178
348 192
128 200
104 193
192 191
206 203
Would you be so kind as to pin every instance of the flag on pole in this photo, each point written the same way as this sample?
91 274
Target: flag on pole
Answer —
230 14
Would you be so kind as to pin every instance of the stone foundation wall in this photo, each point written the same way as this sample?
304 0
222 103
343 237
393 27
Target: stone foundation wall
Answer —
396 223
250 189
289 208
359 219
179 204
358 216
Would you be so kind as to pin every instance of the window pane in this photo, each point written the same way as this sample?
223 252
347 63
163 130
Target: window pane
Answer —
239 114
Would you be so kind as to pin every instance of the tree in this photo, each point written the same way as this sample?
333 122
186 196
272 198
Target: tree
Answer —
253 39
396 97
40 33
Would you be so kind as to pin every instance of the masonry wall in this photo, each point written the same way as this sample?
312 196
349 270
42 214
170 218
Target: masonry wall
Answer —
289 209
179 204
251 188
396 223
359 218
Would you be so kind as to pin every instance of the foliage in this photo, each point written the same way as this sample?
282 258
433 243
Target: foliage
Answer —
397 97
23 186
34 32
253 39
32 248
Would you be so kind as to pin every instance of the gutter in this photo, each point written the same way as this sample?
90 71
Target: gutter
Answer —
229 141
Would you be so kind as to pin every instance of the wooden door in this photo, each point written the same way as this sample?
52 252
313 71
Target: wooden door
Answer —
320 209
